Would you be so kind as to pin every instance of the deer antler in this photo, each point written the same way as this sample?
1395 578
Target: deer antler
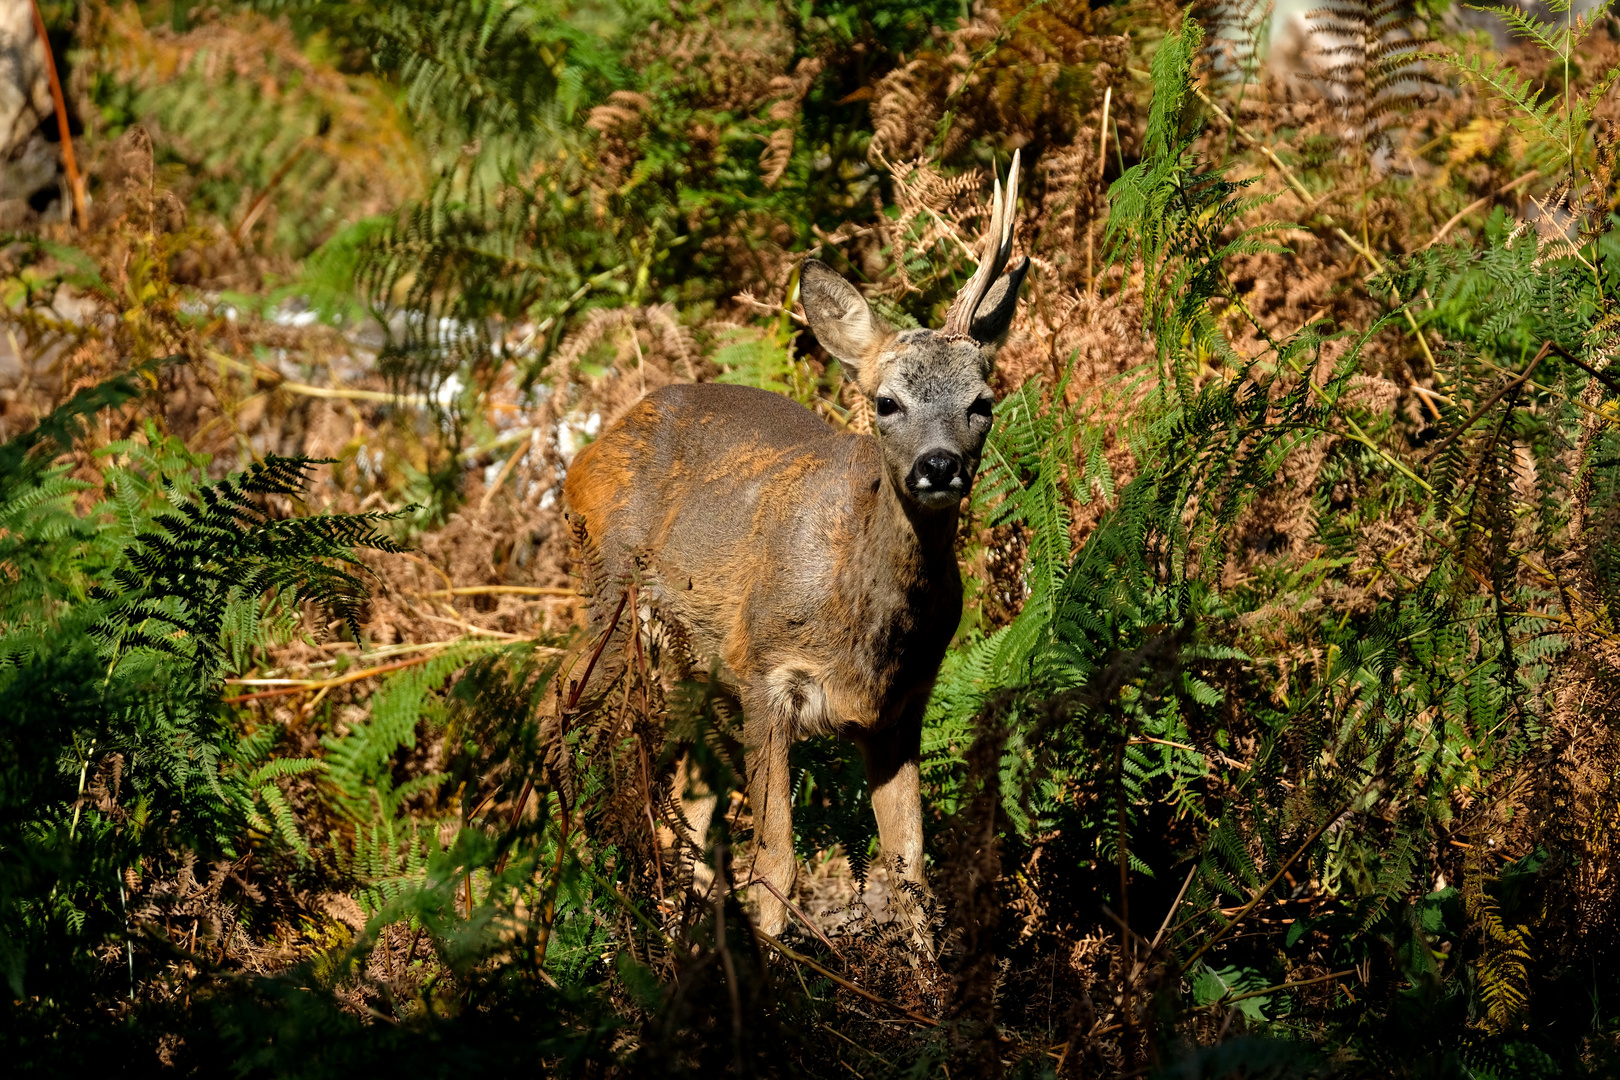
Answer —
998 240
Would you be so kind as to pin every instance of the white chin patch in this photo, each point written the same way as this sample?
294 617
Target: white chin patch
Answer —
937 498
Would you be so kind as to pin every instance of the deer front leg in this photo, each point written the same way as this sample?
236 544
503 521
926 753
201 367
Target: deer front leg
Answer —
770 797
697 802
892 757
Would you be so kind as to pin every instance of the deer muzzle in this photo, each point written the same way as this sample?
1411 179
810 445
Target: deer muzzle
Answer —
938 478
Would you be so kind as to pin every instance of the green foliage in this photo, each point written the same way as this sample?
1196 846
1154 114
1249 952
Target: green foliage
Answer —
391 848
215 560
1179 220
37 525
1077 607
832 804
1309 660
246 128
1148 662
686 148
1564 121
95 699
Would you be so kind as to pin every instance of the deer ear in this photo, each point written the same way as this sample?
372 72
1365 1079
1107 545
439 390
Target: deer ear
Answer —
995 312
839 316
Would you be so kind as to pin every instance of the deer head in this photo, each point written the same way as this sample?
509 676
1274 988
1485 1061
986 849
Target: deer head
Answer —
928 387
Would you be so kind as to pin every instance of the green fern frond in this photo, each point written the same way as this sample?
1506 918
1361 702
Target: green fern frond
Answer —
177 594
1520 93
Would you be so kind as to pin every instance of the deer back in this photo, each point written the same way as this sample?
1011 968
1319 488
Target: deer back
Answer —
775 544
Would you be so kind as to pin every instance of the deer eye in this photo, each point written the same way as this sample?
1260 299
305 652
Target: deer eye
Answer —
981 408
887 406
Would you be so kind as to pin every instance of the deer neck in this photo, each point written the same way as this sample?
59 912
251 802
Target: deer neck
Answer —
921 542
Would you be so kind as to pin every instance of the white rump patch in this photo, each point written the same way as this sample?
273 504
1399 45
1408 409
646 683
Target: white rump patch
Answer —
795 692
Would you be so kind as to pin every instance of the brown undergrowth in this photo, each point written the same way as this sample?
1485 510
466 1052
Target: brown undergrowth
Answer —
1032 969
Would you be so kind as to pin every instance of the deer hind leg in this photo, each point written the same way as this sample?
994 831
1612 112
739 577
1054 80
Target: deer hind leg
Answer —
892 757
770 797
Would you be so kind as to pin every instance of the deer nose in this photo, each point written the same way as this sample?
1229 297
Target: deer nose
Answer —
937 470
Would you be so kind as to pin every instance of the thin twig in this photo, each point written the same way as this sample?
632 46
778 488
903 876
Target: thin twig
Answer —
1127 1006
749 299
1148 740
1109 914
1364 439
498 590
78 800
1601 376
1508 387
512 460
70 163
800 958
1282 986
277 381
800 915
1102 166
317 684
1360 436
579 687
471 628
732 990
630 909
1552 391
381 396
1171 914
262 200
549 917
641 744
1096 1032
378 653
505 438
1440 234
1254 901
857 1045
562 806
326 684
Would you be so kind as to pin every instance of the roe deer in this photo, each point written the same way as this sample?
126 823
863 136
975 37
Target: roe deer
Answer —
816 569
